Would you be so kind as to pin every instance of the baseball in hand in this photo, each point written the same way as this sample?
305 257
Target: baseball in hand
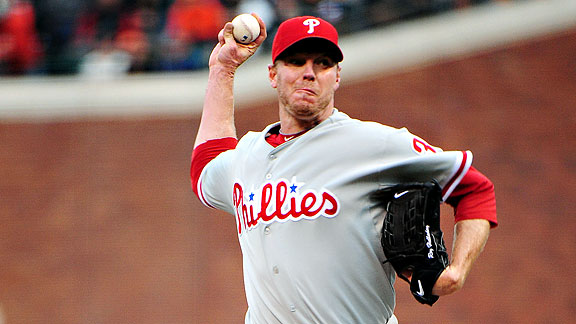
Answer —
246 28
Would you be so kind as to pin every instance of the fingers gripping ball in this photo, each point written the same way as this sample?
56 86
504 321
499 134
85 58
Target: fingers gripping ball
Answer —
246 28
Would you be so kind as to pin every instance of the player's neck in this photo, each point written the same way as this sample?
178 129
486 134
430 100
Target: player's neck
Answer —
290 125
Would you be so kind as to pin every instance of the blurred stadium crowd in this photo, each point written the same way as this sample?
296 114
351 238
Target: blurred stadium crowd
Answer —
103 38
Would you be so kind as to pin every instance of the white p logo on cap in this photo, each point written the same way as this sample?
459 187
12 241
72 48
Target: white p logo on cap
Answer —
311 23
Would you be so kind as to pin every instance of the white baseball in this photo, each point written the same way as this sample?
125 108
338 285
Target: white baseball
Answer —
246 28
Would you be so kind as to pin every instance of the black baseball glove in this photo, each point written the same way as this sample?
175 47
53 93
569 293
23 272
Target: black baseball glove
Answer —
411 236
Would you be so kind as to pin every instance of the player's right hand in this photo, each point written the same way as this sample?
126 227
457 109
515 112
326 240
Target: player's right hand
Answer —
230 54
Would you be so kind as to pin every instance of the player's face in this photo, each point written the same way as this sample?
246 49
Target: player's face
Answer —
306 83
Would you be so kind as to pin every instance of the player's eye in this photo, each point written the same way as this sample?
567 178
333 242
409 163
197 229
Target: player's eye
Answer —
295 61
325 62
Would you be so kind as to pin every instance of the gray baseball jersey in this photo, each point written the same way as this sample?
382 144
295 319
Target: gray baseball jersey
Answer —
308 230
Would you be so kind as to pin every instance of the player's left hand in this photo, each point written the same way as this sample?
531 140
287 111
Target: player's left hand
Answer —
450 281
231 54
469 238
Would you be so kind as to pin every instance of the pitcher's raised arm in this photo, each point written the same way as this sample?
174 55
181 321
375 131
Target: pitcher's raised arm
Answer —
218 110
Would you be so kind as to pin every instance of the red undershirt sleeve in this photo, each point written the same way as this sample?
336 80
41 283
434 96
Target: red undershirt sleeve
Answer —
206 152
474 198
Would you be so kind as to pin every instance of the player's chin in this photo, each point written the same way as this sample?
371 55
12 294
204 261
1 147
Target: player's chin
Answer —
305 106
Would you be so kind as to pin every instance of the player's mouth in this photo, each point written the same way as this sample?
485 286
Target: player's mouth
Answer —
306 91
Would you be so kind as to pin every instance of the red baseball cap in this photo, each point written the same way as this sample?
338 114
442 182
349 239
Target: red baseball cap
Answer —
309 28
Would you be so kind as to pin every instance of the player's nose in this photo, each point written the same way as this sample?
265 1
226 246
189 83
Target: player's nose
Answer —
309 73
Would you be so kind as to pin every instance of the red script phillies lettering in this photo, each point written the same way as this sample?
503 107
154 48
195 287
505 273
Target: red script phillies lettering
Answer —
279 202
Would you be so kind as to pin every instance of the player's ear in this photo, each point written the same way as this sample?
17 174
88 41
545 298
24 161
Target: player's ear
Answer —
272 73
337 83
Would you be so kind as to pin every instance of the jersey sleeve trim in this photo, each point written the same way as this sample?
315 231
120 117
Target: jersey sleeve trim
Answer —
460 169
201 156
201 195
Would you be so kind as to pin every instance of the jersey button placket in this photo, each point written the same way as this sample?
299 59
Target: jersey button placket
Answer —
272 157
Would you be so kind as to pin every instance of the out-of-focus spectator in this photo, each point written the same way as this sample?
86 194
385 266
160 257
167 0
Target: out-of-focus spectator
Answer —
195 20
192 28
152 15
102 20
116 26
144 39
347 15
137 45
56 23
20 49
105 62
166 35
231 6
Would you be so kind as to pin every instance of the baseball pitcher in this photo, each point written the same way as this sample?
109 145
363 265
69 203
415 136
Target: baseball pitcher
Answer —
330 209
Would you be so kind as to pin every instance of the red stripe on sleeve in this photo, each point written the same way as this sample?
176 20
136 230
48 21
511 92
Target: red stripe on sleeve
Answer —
203 154
474 198
458 172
